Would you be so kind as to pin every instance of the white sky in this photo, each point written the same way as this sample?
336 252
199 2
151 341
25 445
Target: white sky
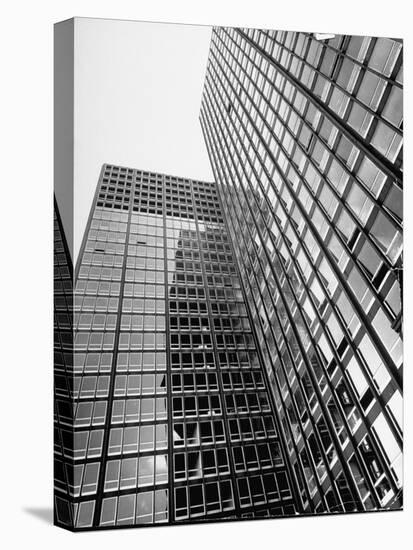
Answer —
138 93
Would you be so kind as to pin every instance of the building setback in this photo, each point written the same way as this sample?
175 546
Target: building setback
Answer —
304 133
173 419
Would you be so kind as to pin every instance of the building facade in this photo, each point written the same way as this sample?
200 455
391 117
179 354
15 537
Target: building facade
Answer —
304 133
63 374
173 419
233 350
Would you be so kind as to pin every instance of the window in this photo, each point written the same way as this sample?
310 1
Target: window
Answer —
360 119
390 446
386 141
388 336
394 201
357 47
360 204
393 298
357 377
338 102
338 177
387 236
347 312
348 74
384 55
372 177
371 90
374 364
85 514
393 110
369 259
144 507
346 225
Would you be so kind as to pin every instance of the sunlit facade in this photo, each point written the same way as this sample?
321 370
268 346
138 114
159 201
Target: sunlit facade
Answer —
304 134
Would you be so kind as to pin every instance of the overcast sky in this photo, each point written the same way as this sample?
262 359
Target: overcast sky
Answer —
138 92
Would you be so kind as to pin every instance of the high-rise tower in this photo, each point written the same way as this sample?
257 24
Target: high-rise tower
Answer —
304 133
172 414
232 350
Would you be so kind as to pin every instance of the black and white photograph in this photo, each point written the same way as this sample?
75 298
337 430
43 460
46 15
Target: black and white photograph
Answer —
205 286
228 292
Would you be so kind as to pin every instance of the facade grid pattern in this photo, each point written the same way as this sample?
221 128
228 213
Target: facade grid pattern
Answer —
63 373
305 139
233 349
173 419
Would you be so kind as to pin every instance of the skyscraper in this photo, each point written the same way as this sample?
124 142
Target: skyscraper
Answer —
232 349
172 415
304 133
